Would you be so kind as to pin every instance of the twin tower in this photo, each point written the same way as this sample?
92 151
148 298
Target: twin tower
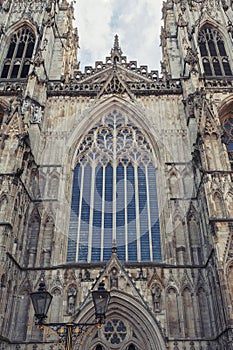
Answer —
121 174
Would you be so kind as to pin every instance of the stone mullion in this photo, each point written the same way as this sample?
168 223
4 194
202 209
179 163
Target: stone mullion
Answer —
137 212
148 210
114 166
102 219
91 213
80 212
126 213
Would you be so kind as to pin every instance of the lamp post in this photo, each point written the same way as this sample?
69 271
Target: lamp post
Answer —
69 332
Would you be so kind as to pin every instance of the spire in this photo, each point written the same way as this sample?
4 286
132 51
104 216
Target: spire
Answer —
116 42
116 52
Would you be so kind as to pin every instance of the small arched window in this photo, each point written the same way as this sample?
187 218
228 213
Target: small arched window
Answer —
214 57
17 62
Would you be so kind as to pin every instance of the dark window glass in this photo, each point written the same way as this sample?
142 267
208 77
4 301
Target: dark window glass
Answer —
99 347
212 49
30 49
203 49
131 347
25 71
15 70
217 68
11 50
207 68
5 70
227 68
221 48
21 48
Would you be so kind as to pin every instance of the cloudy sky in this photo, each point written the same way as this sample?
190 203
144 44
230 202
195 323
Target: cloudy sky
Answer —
137 22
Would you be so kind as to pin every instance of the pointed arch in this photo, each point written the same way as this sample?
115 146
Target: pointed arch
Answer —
188 313
114 192
53 186
48 236
22 315
174 183
125 315
103 107
180 239
195 236
204 312
56 308
219 204
33 236
214 55
19 52
173 315
188 183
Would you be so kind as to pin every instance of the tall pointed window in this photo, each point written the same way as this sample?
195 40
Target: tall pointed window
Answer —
227 124
214 57
114 199
17 62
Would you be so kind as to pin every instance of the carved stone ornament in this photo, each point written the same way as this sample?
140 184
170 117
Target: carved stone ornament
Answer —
36 114
71 299
191 59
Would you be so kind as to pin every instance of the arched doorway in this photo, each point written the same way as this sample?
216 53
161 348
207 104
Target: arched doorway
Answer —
129 326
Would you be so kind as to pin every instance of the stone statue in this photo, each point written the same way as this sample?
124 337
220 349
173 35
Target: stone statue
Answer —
72 295
156 297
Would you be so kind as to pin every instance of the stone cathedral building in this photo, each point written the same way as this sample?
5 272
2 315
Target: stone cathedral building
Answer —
117 173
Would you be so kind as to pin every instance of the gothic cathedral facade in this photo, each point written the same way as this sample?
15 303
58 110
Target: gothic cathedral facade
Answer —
119 174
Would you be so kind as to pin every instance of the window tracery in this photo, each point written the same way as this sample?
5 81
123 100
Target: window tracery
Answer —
214 56
115 331
20 50
114 195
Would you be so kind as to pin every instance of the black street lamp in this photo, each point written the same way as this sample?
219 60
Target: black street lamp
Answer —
69 332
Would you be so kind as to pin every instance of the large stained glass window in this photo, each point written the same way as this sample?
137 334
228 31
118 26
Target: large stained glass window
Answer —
114 197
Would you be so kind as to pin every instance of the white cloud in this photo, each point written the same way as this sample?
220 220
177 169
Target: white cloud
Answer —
137 22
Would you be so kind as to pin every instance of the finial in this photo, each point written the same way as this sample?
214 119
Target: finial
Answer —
116 53
114 247
116 42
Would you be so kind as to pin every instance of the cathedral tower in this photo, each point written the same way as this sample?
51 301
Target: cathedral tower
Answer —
117 173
